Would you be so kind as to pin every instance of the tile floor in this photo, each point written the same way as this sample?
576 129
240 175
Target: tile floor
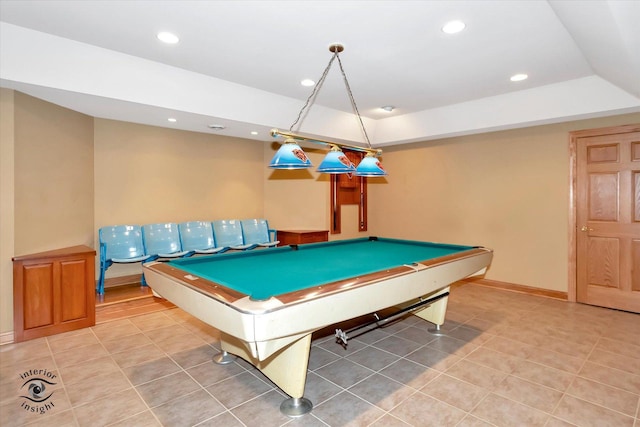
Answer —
508 359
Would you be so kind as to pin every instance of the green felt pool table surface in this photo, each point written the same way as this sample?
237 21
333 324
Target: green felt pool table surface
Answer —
264 273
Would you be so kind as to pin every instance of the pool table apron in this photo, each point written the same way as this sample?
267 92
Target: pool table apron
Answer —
276 337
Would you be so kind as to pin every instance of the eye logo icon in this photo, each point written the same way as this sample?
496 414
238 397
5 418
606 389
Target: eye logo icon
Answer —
36 389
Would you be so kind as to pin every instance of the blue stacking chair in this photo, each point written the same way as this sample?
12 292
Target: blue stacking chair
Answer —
228 233
162 240
257 231
197 237
119 244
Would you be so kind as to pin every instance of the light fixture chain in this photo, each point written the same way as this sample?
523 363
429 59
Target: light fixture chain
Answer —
353 101
312 97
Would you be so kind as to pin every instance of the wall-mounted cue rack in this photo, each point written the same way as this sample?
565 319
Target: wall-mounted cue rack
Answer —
348 189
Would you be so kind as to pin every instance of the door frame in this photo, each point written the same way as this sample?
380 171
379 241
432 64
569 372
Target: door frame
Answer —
572 287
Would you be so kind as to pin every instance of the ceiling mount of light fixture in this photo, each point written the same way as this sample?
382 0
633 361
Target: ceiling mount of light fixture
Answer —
291 156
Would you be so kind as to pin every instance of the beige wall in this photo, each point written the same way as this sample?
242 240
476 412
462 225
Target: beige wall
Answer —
7 143
505 190
53 176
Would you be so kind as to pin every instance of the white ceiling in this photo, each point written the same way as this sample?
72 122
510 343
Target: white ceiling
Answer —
240 63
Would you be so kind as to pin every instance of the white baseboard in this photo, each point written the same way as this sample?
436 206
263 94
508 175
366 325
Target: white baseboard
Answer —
6 338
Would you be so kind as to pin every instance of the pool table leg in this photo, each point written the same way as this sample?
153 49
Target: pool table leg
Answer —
223 358
435 312
287 368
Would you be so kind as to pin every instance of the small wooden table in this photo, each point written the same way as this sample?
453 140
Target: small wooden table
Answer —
298 237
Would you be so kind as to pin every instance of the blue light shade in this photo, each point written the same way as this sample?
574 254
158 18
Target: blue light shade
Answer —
290 156
336 162
370 166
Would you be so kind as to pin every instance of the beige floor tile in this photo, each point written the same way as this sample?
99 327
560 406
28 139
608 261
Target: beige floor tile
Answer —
117 329
604 395
461 394
493 359
373 358
80 355
209 373
611 376
111 409
586 414
617 361
177 343
619 347
451 345
151 370
143 419
227 419
556 360
236 390
71 340
381 391
318 389
194 356
410 373
164 389
503 412
387 421
61 419
434 359
528 393
397 345
11 354
188 410
148 322
344 372
96 387
138 355
425 411
85 371
265 408
346 409
479 375
543 375
128 342
510 347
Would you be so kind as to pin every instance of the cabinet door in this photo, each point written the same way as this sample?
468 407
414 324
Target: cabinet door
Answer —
73 290
38 295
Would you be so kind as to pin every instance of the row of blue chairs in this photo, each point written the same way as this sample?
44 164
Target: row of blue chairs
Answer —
125 244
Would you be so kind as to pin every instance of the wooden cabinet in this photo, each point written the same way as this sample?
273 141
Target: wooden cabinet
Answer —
298 237
53 292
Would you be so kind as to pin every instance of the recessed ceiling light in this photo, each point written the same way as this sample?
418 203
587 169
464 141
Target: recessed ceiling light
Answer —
453 27
253 132
307 82
519 77
168 37
388 108
216 127
172 120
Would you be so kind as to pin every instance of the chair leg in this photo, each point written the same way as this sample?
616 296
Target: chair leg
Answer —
100 287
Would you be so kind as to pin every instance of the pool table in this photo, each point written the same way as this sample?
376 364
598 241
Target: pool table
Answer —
267 302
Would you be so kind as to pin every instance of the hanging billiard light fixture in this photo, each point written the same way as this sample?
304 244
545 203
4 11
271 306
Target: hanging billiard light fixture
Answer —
291 156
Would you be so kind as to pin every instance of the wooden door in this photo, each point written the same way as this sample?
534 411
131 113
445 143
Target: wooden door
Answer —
608 217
